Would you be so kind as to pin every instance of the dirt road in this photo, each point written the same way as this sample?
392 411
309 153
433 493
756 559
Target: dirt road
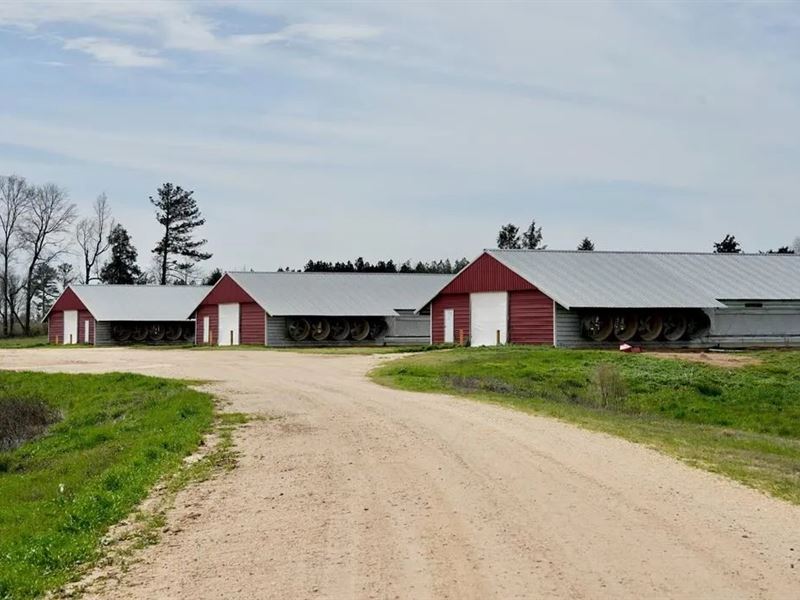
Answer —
357 491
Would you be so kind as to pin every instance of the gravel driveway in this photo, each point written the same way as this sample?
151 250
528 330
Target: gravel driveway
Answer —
357 491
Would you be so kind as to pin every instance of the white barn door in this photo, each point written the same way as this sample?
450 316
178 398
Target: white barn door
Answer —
449 326
488 315
70 326
229 324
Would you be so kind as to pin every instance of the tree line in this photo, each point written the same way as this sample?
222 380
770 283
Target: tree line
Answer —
359 265
730 245
42 236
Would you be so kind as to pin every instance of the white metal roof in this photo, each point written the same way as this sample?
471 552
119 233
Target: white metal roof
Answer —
141 302
339 294
655 279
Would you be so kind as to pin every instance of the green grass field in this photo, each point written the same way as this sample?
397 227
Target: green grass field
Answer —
24 342
743 422
59 493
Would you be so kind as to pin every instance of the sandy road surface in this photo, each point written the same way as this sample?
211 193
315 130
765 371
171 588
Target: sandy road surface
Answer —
363 492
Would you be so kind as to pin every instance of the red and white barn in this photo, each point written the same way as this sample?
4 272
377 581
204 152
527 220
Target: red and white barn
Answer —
487 304
268 308
574 298
109 314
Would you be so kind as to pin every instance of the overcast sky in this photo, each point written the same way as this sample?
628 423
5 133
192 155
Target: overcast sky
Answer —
400 130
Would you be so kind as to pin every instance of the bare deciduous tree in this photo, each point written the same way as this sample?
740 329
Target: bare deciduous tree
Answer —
15 201
92 236
49 217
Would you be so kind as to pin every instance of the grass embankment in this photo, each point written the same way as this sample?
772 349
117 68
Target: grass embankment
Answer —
743 422
59 493
24 342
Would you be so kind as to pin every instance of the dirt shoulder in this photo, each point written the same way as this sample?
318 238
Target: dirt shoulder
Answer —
351 490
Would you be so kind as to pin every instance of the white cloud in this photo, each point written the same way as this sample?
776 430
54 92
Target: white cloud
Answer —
115 53
321 32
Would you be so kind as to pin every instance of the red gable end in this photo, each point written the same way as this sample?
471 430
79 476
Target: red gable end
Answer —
226 291
486 274
68 301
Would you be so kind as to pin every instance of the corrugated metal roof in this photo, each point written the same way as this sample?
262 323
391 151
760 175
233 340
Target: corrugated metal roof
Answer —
655 279
339 294
141 302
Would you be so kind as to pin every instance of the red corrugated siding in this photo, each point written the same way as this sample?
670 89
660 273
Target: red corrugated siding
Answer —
486 274
83 316
530 315
226 291
55 327
68 301
212 312
251 324
460 305
530 311
251 315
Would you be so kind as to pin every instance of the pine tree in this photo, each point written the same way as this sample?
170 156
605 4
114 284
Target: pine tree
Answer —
586 245
728 245
532 238
122 267
177 212
215 276
508 237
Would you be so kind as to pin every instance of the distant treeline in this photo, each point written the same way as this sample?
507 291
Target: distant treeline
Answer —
360 265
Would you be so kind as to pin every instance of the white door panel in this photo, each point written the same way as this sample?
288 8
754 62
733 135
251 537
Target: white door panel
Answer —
229 324
449 326
206 329
70 327
86 339
488 315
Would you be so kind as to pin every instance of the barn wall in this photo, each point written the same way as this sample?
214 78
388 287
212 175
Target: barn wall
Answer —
211 311
227 291
68 300
530 317
460 305
276 332
775 324
102 334
55 327
486 274
251 324
408 329
83 317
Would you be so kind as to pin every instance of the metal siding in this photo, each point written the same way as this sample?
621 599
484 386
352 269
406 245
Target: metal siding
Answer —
568 325
102 334
83 317
460 305
212 313
276 332
251 324
408 329
227 291
55 327
486 274
530 316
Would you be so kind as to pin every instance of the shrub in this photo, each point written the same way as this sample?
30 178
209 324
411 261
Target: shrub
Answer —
22 419
609 387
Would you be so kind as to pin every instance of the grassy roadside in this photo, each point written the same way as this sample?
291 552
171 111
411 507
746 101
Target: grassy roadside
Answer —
59 493
24 342
743 422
